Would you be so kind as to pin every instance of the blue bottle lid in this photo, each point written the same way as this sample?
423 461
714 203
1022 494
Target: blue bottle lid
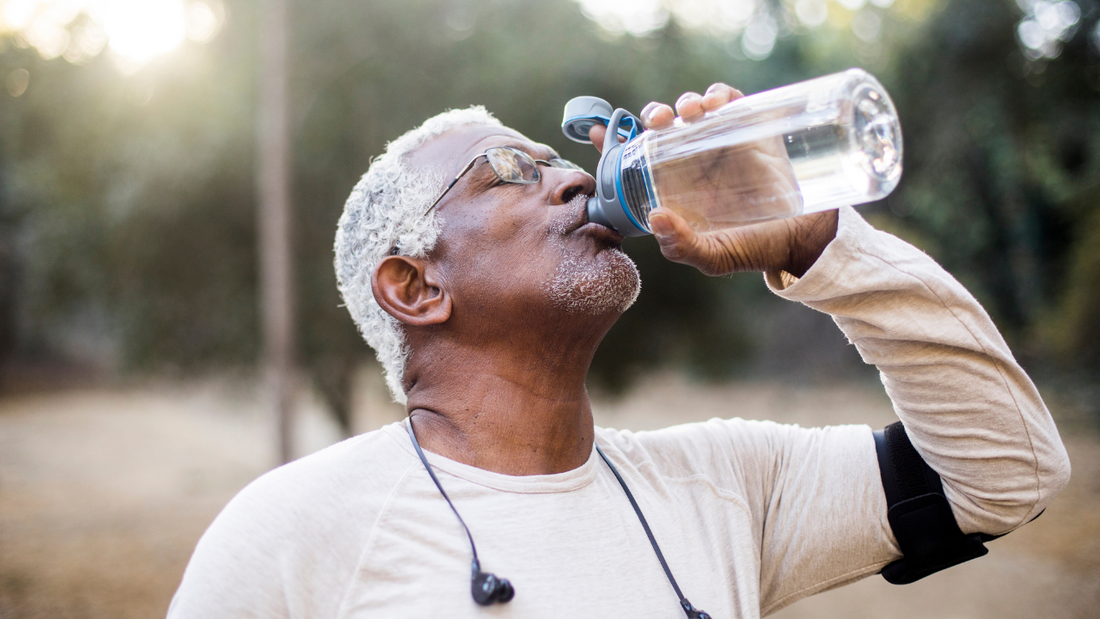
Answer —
582 113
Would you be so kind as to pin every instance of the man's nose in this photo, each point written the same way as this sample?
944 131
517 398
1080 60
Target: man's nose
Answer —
568 184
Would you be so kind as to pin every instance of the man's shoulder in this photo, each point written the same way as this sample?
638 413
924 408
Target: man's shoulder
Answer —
318 510
713 433
722 444
353 476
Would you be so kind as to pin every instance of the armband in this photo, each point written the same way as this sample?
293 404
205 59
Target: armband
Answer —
919 513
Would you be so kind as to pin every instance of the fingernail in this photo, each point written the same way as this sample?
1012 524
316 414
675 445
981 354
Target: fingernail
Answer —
661 226
684 97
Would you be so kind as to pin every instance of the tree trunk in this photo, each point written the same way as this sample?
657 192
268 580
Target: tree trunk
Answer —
273 221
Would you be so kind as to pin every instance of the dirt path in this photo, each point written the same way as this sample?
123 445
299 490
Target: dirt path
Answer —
103 495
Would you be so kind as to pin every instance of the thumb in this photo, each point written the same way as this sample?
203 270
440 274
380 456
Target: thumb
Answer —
596 134
678 241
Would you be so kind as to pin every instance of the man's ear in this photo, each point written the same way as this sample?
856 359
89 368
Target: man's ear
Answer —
403 288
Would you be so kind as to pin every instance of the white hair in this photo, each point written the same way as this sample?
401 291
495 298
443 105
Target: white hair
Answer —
386 210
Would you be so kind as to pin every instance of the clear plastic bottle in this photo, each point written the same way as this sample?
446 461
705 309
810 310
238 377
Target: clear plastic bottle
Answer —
803 148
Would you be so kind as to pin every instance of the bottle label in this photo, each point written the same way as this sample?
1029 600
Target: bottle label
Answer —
636 184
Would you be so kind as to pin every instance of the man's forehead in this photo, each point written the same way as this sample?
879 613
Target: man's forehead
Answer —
453 149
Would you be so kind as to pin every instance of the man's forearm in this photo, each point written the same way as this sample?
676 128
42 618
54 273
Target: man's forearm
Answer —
969 409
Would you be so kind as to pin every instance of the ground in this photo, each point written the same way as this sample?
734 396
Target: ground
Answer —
104 493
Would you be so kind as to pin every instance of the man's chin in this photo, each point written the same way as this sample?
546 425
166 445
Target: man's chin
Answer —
607 284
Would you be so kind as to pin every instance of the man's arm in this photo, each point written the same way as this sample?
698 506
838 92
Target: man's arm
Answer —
815 493
970 410
968 407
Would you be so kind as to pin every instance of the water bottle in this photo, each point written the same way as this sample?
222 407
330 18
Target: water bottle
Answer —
808 147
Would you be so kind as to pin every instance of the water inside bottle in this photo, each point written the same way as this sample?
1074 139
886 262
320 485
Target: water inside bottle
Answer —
778 158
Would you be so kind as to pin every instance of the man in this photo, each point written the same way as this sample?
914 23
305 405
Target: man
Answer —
485 301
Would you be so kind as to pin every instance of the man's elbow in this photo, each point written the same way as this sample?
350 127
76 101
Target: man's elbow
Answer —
1055 477
1013 503
1052 474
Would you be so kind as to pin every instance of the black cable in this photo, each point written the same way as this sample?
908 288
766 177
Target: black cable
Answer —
419 452
487 589
505 592
691 611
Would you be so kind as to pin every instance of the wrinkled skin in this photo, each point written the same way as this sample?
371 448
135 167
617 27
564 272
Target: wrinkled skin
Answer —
505 315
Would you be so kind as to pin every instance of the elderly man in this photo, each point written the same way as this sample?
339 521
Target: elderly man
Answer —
485 300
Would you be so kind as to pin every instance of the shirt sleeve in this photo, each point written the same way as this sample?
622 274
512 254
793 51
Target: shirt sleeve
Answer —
969 408
288 544
814 498
237 569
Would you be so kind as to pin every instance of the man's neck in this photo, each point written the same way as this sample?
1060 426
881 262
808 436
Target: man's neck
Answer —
517 410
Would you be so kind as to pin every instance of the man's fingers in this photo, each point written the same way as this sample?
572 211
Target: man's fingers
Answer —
657 115
689 105
718 95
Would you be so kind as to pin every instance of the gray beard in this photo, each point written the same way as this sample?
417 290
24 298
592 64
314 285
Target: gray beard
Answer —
609 284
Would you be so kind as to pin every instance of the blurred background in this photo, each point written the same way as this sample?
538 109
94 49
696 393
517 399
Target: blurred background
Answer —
171 173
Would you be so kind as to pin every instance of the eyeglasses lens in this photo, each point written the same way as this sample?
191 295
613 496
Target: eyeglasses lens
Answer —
513 166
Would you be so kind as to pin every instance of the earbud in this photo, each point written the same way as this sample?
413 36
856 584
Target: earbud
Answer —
488 589
692 612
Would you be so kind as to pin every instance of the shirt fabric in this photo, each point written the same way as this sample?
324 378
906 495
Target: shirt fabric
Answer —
750 515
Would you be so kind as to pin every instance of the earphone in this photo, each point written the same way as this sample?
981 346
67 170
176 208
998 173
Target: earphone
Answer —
488 589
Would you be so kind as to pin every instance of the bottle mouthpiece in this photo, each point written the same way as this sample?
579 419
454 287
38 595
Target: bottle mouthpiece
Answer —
596 214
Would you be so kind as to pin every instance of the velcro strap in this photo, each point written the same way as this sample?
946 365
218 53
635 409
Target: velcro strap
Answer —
919 513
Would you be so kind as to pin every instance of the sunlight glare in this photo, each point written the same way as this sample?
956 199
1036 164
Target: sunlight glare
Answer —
135 31
204 20
17 13
139 30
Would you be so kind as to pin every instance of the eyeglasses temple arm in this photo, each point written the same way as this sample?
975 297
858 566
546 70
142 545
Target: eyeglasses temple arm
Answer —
453 181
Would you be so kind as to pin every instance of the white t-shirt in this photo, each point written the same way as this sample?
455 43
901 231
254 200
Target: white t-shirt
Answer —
751 516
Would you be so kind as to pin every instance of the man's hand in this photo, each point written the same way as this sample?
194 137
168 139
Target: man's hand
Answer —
791 244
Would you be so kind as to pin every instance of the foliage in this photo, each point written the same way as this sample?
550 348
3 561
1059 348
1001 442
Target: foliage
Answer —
127 202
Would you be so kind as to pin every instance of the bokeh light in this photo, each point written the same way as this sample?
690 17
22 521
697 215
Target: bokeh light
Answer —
638 17
17 82
1046 26
867 25
758 40
812 13
753 26
134 31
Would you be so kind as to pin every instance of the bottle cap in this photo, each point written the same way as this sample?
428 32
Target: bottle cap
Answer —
582 113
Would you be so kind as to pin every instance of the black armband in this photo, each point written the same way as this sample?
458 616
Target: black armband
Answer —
919 513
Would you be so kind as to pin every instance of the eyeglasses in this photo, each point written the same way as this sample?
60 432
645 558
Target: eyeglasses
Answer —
511 166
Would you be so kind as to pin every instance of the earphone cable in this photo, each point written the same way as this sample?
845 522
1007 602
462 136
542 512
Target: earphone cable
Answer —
689 610
424 460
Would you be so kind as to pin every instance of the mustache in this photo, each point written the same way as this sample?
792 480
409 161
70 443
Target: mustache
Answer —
573 215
